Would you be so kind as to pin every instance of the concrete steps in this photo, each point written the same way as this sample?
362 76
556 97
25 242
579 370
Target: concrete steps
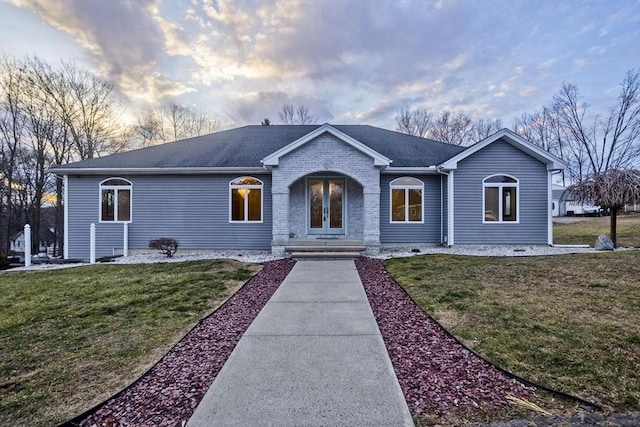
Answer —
325 249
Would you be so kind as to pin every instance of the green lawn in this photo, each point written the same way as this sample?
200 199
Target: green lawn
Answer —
70 338
571 322
586 232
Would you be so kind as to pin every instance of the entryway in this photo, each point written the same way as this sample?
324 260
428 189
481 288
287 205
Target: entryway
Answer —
326 206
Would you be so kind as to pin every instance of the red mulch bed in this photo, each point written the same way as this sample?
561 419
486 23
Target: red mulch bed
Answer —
438 375
170 391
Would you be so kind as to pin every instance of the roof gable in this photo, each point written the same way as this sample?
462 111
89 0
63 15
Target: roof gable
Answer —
274 158
552 162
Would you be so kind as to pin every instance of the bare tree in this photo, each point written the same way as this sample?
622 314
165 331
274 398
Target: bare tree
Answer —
453 128
172 122
609 143
414 121
610 189
296 116
12 129
484 128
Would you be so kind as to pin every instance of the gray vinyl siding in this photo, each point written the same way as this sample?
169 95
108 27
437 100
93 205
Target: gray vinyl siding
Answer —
500 158
429 232
193 209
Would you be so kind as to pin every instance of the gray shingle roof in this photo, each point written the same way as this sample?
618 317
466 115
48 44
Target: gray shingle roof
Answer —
246 146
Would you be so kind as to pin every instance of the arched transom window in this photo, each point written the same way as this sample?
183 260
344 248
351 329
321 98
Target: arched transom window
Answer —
500 199
407 200
245 196
115 200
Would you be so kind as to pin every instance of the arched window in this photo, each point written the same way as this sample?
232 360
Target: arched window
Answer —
245 200
115 200
407 200
500 199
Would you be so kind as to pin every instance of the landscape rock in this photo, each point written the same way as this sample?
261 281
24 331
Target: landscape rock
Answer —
604 243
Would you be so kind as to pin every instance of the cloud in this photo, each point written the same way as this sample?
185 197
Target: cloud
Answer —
456 63
122 38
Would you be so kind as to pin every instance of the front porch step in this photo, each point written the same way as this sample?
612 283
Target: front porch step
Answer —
329 248
319 248
325 255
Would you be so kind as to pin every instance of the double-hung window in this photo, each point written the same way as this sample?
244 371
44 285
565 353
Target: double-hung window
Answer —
245 195
407 200
500 199
115 200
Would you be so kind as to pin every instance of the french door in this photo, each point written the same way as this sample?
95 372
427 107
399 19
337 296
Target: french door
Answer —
326 206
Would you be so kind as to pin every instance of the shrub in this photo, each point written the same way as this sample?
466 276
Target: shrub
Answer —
166 245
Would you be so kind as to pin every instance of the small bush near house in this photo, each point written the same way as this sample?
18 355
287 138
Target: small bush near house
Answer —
4 263
166 245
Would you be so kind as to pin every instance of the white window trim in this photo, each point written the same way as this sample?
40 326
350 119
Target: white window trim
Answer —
246 201
102 187
406 189
500 186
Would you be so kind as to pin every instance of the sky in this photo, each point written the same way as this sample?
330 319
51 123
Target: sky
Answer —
349 61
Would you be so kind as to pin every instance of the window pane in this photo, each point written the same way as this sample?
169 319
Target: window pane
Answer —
316 202
415 205
108 207
237 204
491 204
509 204
397 204
255 204
335 204
246 180
116 181
124 205
500 178
406 181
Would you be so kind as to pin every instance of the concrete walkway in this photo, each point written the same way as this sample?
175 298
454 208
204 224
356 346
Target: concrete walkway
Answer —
313 356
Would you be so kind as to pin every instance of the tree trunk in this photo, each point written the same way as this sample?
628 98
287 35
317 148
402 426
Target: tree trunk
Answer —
613 223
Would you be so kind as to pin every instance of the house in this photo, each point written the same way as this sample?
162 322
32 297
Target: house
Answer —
47 241
267 187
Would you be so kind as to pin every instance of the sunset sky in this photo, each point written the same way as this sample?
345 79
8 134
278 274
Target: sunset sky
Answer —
350 61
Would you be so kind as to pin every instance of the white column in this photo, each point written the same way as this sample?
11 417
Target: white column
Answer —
549 208
65 201
371 201
27 245
450 212
92 243
280 219
125 242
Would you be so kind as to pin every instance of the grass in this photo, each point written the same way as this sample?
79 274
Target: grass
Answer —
70 338
586 232
571 322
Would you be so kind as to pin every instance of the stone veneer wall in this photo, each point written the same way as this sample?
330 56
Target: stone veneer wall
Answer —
325 153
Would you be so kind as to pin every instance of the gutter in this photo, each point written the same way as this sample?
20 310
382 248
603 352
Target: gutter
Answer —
159 171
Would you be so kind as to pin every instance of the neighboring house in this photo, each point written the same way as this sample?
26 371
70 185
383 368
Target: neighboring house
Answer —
267 187
47 241
557 202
